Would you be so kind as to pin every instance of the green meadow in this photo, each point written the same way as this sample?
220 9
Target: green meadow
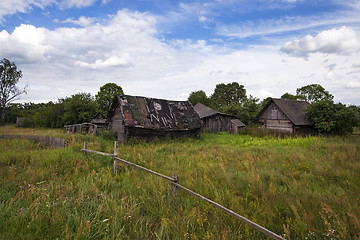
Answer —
299 188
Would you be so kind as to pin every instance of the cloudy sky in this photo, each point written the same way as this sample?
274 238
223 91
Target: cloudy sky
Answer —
169 48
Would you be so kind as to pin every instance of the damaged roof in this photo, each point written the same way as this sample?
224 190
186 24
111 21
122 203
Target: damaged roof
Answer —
152 113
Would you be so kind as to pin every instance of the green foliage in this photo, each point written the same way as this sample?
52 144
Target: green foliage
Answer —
46 115
289 96
264 102
299 188
79 108
224 94
329 117
199 97
108 135
249 110
9 77
230 99
313 93
106 95
13 110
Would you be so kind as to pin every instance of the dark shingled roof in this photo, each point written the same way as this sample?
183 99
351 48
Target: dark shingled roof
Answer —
205 111
293 109
152 113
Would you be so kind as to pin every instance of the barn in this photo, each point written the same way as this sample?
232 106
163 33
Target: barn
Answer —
150 118
215 121
285 115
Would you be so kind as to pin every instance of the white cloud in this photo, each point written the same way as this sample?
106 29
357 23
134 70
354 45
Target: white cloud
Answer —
82 21
274 27
335 41
76 3
10 7
60 62
26 43
14 6
110 62
203 19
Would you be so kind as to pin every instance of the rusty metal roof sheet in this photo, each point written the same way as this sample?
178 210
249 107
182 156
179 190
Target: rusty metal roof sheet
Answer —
155 113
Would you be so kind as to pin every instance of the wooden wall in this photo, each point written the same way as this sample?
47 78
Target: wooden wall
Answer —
273 118
217 123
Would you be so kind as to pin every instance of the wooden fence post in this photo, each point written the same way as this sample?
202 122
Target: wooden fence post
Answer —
114 157
174 187
85 147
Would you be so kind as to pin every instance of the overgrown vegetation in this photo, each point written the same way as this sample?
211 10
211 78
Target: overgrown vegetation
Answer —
77 108
300 188
328 117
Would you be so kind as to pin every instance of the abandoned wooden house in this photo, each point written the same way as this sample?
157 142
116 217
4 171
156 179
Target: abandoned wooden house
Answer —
285 115
149 118
215 121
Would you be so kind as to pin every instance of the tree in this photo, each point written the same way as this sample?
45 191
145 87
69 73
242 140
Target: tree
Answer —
224 94
9 77
263 103
249 110
198 97
106 95
245 111
313 93
79 108
329 117
289 96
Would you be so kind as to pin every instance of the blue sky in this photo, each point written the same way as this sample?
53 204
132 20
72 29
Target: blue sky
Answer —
167 49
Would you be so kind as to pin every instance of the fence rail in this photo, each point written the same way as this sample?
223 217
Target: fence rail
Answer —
174 185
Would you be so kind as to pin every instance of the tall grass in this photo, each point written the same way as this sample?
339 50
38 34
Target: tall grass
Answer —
300 188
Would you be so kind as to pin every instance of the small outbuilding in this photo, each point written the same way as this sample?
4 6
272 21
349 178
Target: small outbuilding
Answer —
285 115
215 121
99 119
236 126
149 118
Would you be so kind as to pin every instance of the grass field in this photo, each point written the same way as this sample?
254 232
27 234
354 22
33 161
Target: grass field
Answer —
299 188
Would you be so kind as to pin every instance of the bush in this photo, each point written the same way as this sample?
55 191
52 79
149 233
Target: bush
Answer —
329 117
108 135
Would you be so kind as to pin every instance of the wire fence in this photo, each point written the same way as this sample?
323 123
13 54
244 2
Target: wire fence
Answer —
175 185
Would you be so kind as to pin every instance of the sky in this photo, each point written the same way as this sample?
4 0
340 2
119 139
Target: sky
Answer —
167 49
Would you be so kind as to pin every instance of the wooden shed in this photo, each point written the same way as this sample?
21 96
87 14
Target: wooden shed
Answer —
149 118
285 115
215 121
236 126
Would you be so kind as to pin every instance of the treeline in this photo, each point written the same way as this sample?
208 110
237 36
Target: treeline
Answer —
327 116
231 98
78 108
